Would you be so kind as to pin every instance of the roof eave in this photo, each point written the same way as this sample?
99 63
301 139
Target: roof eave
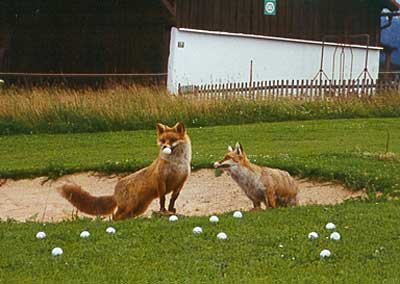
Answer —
392 5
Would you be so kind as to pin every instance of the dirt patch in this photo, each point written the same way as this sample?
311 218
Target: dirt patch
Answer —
203 194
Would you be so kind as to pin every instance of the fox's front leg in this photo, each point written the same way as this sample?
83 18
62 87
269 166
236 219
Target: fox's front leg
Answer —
174 196
162 189
256 206
162 203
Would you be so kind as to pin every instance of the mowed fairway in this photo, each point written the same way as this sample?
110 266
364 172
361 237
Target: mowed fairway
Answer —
344 150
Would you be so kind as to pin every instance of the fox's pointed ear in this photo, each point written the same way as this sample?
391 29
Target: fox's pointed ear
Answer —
239 148
160 128
180 128
230 149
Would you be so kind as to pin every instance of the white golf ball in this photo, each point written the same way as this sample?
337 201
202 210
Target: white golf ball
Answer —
313 235
41 235
335 236
167 151
85 234
330 226
325 253
222 236
214 219
237 214
57 251
173 218
110 230
197 230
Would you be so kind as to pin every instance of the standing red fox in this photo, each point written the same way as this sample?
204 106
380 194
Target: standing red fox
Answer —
134 193
272 187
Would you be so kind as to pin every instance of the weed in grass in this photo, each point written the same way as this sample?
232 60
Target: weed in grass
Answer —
218 172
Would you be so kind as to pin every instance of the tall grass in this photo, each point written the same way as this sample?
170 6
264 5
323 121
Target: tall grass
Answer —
60 110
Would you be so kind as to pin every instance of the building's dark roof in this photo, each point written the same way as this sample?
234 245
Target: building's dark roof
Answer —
392 5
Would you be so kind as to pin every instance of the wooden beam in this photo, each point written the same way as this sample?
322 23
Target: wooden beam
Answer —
170 6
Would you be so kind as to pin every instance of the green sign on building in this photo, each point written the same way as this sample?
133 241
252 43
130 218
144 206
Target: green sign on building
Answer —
270 7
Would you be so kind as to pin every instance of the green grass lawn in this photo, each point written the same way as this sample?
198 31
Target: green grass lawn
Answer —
344 150
157 251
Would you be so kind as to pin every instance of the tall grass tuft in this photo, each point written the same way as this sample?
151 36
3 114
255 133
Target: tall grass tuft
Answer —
61 110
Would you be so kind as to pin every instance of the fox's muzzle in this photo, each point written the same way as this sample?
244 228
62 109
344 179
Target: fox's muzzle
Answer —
218 165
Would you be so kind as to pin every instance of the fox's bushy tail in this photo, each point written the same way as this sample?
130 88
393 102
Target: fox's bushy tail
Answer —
87 203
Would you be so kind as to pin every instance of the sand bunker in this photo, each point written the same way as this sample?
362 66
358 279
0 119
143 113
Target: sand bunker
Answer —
203 194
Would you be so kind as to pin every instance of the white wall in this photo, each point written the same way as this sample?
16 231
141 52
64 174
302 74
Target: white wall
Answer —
216 57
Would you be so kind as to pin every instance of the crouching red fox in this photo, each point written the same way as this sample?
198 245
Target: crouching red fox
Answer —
273 187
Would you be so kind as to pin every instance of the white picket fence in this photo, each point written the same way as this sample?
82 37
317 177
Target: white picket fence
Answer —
294 89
